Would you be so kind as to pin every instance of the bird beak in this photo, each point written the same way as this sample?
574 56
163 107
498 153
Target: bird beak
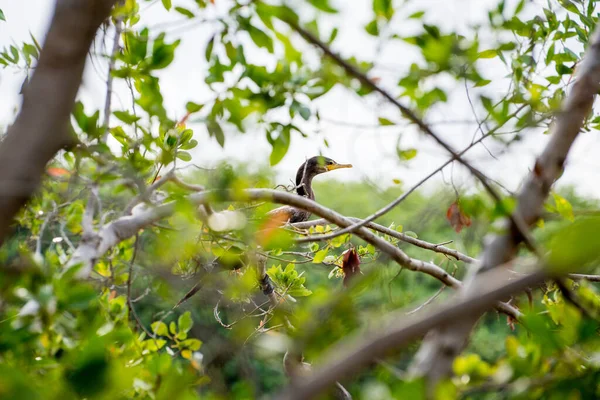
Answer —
337 166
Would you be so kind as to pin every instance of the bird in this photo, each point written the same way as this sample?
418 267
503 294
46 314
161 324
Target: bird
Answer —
306 172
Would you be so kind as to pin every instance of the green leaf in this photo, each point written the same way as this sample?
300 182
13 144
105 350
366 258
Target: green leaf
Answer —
383 8
562 69
184 155
215 130
209 48
167 4
323 5
163 54
407 154
549 55
563 207
491 53
320 256
280 146
372 28
185 322
159 328
185 11
482 82
15 53
2 18
333 35
417 15
385 122
260 38
126 117
192 107
576 245
192 344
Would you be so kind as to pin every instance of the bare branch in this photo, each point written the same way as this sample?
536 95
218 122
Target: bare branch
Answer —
148 192
437 353
411 116
41 128
578 277
400 199
109 79
438 248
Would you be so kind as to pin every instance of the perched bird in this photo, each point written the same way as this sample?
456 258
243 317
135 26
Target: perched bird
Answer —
307 171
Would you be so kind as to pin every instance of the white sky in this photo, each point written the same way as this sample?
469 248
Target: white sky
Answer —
370 149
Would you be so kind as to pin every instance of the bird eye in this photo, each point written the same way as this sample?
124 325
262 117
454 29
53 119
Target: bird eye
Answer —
330 162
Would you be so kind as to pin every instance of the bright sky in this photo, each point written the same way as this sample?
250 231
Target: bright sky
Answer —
349 123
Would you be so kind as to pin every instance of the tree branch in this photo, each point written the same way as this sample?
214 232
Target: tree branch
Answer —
42 126
398 235
411 116
400 199
354 354
109 80
437 352
127 226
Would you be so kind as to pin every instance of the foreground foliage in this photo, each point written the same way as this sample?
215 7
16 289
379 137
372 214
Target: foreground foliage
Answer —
137 327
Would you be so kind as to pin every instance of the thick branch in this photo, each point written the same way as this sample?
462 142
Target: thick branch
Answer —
42 126
437 354
353 355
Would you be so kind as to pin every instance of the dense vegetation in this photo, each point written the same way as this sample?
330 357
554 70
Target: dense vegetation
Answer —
128 273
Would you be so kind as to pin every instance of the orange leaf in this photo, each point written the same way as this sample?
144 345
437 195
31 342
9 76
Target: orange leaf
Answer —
57 172
275 220
350 265
458 219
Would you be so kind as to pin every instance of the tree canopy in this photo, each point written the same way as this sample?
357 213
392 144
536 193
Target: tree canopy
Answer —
130 270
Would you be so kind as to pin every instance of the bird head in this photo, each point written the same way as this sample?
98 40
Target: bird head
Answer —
319 164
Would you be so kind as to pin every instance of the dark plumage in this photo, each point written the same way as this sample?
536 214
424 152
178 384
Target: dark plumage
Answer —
307 171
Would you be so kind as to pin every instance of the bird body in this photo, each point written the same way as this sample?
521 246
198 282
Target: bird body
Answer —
304 176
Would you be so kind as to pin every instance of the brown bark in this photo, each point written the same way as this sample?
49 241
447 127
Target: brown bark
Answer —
42 126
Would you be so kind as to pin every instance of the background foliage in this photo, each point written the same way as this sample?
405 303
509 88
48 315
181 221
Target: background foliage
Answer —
119 334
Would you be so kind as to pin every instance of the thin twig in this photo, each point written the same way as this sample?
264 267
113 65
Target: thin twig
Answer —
400 199
109 80
129 281
429 301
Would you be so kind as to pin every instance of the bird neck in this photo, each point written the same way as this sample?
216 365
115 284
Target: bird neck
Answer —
304 183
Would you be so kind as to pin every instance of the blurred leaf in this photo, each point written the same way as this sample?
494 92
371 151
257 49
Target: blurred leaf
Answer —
185 322
159 328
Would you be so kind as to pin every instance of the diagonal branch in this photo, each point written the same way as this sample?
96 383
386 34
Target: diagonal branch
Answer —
352 355
411 116
435 357
42 126
398 235
400 199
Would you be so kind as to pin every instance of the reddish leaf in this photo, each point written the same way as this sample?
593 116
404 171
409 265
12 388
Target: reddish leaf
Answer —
457 218
276 219
57 172
350 265
510 321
